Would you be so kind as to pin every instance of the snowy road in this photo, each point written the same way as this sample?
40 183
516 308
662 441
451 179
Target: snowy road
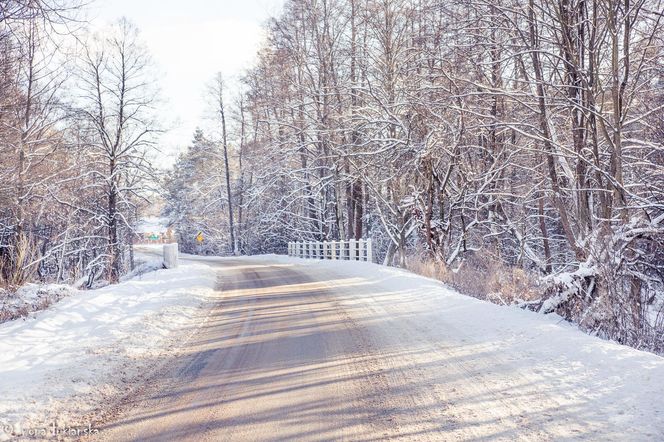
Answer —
315 351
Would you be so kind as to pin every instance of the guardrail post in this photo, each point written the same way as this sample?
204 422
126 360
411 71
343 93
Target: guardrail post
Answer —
316 249
171 255
361 250
352 250
326 248
369 251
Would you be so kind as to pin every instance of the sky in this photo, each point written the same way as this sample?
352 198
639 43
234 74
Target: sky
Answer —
190 41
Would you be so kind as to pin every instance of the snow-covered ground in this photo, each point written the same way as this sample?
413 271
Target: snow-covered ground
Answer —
32 298
483 358
64 362
484 369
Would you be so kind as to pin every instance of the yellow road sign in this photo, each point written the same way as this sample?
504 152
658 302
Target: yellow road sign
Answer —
199 237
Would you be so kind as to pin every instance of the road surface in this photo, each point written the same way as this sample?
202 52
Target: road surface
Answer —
295 353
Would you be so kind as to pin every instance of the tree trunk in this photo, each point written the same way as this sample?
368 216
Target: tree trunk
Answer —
113 245
233 245
359 209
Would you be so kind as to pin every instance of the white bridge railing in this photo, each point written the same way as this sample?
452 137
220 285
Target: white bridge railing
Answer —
354 250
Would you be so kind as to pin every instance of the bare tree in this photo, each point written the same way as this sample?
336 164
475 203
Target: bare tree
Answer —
116 100
216 94
33 73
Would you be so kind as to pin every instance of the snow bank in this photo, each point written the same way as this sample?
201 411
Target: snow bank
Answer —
31 298
143 267
69 359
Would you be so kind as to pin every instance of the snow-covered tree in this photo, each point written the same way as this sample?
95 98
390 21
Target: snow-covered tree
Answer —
471 134
116 101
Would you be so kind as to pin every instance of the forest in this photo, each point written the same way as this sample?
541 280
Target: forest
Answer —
512 149
76 135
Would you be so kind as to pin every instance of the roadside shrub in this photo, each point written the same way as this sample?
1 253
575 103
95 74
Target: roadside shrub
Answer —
481 277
